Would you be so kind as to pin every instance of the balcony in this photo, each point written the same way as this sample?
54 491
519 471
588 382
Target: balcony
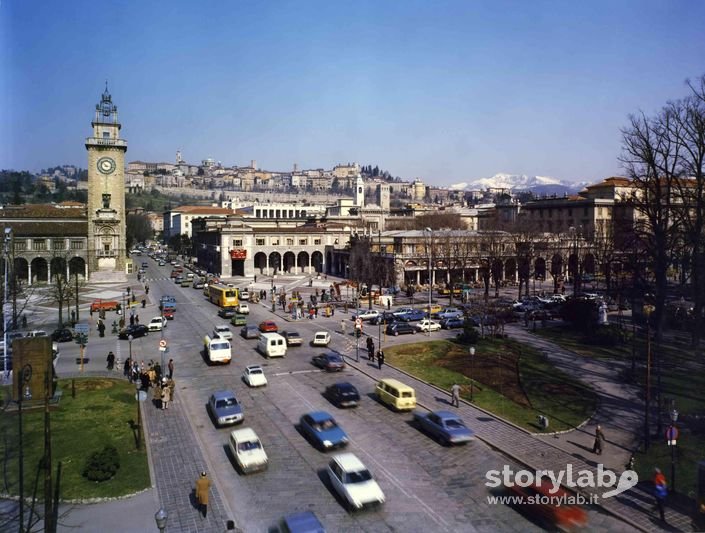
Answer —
97 141
106 253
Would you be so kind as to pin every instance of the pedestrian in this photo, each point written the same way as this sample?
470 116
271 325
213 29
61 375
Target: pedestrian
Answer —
660 491
157 397
342 327
144 302
203 485
380 359
166 395
315 312
455 395
255 278
137 319
146 290
389 304
127 369
332 310
170 366
370 349
101 329
132 320
111 360
599 438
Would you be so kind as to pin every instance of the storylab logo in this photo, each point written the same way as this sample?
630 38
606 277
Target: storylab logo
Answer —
574 479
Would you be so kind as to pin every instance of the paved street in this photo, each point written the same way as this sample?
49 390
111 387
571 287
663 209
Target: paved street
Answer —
428 487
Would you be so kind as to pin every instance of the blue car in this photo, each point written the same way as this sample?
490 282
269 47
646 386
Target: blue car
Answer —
225 408
322 429
444 426
302 522
412 316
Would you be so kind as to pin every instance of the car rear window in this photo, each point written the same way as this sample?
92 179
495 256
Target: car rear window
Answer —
407 394
358 477
220 346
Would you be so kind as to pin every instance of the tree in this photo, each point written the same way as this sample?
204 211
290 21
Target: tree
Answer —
137 229
367 264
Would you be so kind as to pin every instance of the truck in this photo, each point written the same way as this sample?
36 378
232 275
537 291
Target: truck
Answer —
217 350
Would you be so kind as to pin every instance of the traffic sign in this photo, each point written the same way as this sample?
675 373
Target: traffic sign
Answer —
358 322
81 328
162 343
672 435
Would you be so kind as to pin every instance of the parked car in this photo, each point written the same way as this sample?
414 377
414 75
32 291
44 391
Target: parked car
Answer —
352 480
247 450
62 335
444 426
323 431
226 312
254 376
386 317
400 328
222 331
435 309
331 362
225 408
412 315
292 338
243 308
157 323
268 326
138 330
365 314
450 312
343 394
178 279
185 282
249 332
452 323
321 338
428 325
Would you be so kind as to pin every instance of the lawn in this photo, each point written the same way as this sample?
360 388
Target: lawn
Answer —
103 412
510 379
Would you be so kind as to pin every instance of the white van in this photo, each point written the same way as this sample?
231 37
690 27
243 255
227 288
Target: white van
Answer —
217 349
272 345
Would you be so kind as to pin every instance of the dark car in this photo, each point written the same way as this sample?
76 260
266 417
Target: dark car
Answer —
249 332
227 312
331 362
387 317
401 328
343 394
138 330
413 315
452 323
444 426
322 429
292 338
301 522
62 335
225 408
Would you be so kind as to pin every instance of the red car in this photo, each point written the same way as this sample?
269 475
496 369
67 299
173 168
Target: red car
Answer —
561 516
268 326
168 313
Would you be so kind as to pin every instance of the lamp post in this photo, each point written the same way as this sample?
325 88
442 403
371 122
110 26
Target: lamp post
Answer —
648 309
26 394
160 517
6 348
430 285
124 304
672 440
472 373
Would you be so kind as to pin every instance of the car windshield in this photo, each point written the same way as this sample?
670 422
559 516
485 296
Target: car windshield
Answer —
255 371
222 330
358 477
220 346
326 425
292 335
250 445
334 358
454 423
226 402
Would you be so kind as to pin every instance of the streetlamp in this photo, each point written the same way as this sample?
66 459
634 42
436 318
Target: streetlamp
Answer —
160 518
648 309
430 285
6 348
672 440
26 394
472 373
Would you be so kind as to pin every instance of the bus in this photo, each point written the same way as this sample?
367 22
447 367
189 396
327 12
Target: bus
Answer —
222 295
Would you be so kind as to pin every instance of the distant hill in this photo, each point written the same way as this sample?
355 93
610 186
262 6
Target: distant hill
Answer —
539 185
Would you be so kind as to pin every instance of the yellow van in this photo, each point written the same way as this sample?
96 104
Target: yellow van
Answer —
395 394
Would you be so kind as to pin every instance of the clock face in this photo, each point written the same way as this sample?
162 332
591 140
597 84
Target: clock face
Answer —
106 165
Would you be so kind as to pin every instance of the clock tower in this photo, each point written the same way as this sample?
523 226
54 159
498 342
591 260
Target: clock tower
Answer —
107 248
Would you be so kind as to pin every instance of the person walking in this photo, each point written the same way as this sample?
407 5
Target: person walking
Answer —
455 395
170 367
380 359
203 485
166 395
111 360
132 320
370 349
599 438
127 369
660 491
342 327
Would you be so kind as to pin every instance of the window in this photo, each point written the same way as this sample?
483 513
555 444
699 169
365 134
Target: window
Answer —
106 135
39 244
303 242
275 242
317 241
20 246
585 211
290 242
237 242
259 242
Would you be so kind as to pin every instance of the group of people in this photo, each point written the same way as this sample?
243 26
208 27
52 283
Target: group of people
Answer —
371 356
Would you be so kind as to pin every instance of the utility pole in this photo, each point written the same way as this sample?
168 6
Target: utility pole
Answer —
48 513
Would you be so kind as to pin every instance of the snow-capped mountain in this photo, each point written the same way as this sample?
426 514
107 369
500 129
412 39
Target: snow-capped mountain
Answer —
521 182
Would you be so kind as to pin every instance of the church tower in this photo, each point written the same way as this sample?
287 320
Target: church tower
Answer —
107 248
359 192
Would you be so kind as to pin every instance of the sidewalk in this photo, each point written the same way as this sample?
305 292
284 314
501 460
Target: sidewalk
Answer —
634 506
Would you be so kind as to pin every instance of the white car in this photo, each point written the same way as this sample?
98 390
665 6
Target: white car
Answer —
243 309
366 314
244 294
254 376
247 450
428 325
321 338
223 332
157 323
351 479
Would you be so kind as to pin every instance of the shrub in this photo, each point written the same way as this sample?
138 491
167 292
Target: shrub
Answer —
581 314
469 334
608 335
102 465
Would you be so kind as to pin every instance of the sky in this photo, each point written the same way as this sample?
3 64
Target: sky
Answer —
444 91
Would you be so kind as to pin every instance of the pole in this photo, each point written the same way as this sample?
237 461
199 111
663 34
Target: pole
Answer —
20 381
671 434
48 513
82 348
6 348
357 331
139 420
647 395
77 317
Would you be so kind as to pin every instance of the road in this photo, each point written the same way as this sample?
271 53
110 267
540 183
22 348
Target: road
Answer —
428 487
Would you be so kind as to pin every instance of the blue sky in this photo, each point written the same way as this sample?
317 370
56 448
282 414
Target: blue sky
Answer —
442 90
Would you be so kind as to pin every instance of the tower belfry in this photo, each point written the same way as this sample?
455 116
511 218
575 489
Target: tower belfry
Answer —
107 249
